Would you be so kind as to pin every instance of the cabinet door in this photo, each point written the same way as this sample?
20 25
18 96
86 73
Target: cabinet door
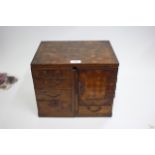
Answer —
54 91
96 92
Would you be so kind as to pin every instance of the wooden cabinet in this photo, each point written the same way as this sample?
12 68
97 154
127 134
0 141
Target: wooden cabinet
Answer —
74 78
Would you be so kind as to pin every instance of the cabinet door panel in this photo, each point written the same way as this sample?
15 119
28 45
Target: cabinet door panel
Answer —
96 88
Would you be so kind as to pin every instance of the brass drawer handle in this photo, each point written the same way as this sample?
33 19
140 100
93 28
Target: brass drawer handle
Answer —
97 108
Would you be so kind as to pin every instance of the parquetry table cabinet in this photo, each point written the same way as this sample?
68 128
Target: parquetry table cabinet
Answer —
74 78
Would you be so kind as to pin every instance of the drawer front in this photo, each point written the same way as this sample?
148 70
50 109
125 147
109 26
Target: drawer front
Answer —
47 94
54 92
95 110
52 73
52 79
53 84
54 103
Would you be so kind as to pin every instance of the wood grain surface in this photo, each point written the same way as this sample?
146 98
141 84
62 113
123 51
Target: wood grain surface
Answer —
61 52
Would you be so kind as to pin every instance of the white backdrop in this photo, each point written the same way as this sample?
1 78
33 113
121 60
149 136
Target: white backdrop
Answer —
134 103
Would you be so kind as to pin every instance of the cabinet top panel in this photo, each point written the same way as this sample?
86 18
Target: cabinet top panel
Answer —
75 52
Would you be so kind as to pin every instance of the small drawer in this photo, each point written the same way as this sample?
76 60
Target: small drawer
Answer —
53 83
95 110
59 109
47 95
51 103
52 74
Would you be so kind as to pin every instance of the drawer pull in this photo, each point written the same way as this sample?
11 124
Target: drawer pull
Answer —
97 108
54 96
54 103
